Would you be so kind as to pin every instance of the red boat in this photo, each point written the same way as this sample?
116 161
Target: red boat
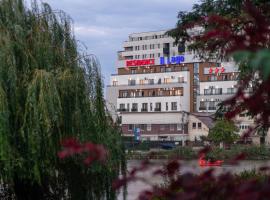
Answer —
204 163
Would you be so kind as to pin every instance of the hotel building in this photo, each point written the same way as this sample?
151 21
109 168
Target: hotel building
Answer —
158 84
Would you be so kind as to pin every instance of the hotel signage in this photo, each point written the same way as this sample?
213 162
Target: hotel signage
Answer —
216 70
172 60
130 63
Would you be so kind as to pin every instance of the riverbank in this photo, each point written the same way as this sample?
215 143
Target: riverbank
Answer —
189 153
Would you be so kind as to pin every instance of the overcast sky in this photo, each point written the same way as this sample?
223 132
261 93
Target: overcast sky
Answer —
102 25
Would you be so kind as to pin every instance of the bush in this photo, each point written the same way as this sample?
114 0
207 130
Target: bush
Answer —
184 153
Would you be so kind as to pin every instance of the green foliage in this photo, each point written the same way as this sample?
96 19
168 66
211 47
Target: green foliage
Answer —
229 9
184 153
250 152
50 90
251 62
223 131
251 174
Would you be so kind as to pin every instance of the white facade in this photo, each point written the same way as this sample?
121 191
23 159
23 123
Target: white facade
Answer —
155 46
142 50
144 79
196 129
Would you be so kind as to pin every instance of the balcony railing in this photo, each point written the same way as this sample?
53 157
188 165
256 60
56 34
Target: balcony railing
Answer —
202 108
212 108
138 96
134 109
144 110
153 72
157 109
122 110
224 93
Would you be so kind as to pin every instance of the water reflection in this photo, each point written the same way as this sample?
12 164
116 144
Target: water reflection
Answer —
192 166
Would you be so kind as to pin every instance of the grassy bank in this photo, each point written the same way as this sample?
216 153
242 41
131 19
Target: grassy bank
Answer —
188 153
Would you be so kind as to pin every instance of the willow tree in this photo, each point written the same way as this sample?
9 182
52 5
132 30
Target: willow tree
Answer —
50 90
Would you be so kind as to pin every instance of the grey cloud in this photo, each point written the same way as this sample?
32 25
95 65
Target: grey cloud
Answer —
103 25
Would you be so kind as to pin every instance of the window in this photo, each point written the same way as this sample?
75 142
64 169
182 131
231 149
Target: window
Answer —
158 106
158 46
149 127
171 127
141 93
133 71
218 91
199 125
130 127
123 94
158 54
151 106
212 105
151 81
207 91
162 127
213 78
160 92
132 82
202 105
196 68
141 82
174 105
181 79
159 81
193 125
167 80
179 127
134 107
144 107
225 77
167 107
162 69
168 69
122 106
178 92
230 90
132 94
143 127
115 83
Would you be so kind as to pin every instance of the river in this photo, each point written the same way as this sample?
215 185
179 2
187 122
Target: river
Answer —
134 188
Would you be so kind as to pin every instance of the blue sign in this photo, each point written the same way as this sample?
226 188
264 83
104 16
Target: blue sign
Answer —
137 133
172 60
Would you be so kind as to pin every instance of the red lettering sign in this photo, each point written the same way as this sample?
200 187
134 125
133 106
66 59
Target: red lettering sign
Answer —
222 69
130 63
216 70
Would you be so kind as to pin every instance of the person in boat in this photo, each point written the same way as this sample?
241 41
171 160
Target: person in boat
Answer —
210 158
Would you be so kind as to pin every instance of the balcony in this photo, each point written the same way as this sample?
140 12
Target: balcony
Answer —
123 110
134 109
158 109
212 108
144 110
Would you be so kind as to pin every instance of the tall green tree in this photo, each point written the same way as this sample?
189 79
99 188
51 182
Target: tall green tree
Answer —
235 30
50 90
224 131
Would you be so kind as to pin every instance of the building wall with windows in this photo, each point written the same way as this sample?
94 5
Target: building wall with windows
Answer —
158 82
196 129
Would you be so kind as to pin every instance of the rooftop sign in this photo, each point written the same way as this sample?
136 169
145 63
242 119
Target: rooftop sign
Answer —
217 70
130 63
172 60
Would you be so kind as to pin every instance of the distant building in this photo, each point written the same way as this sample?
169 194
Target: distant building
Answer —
199 125
158 84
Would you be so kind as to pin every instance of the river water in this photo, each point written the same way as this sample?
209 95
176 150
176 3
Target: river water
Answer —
134 188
